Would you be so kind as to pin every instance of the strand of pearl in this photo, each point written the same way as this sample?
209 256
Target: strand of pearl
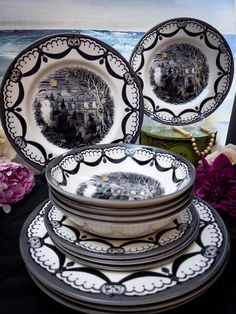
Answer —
193 139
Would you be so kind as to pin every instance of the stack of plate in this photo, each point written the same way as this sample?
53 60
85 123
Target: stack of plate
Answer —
121 232
68 246
95 290
121 254
120 191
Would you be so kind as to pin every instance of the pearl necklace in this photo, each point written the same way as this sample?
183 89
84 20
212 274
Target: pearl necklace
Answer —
193 139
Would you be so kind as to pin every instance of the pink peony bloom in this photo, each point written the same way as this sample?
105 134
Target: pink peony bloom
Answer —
16 181
228 150
216 183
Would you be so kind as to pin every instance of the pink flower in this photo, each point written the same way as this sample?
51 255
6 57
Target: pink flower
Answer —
16 181
228 150
216 183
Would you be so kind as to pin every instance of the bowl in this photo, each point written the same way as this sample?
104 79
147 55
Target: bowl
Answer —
121 230
122 211
120 175
133 217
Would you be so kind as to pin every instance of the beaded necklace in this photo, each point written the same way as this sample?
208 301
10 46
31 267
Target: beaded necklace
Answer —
193 139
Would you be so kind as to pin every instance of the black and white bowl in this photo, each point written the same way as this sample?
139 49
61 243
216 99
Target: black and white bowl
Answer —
120 175
90 184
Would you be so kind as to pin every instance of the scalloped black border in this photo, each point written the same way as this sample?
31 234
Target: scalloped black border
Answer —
160 252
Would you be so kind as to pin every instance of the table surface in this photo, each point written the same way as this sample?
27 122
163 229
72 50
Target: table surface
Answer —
19 294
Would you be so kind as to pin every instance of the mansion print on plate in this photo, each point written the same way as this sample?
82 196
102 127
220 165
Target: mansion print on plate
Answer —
121 186
179 73
74 107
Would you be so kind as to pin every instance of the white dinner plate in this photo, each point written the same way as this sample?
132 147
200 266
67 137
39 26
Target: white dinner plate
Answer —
173 238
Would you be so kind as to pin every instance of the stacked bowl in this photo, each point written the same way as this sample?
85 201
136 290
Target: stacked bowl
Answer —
120 191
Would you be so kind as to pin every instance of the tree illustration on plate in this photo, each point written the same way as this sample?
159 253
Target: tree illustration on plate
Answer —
74 107
179 73
122 186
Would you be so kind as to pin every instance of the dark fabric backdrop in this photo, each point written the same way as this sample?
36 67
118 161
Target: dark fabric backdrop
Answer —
231 135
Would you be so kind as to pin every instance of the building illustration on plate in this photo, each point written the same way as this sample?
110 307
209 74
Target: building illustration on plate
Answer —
121 186
73 107
179 73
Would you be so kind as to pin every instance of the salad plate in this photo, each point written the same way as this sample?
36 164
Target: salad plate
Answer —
66 91
185 67
161 244
196 266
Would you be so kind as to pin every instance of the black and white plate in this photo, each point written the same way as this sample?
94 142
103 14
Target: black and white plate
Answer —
153 248
66 91
185 67
90 308
196 266
109 265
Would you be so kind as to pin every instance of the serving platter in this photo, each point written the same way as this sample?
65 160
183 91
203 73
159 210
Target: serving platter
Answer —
162 244
185 67
66 91
197 266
